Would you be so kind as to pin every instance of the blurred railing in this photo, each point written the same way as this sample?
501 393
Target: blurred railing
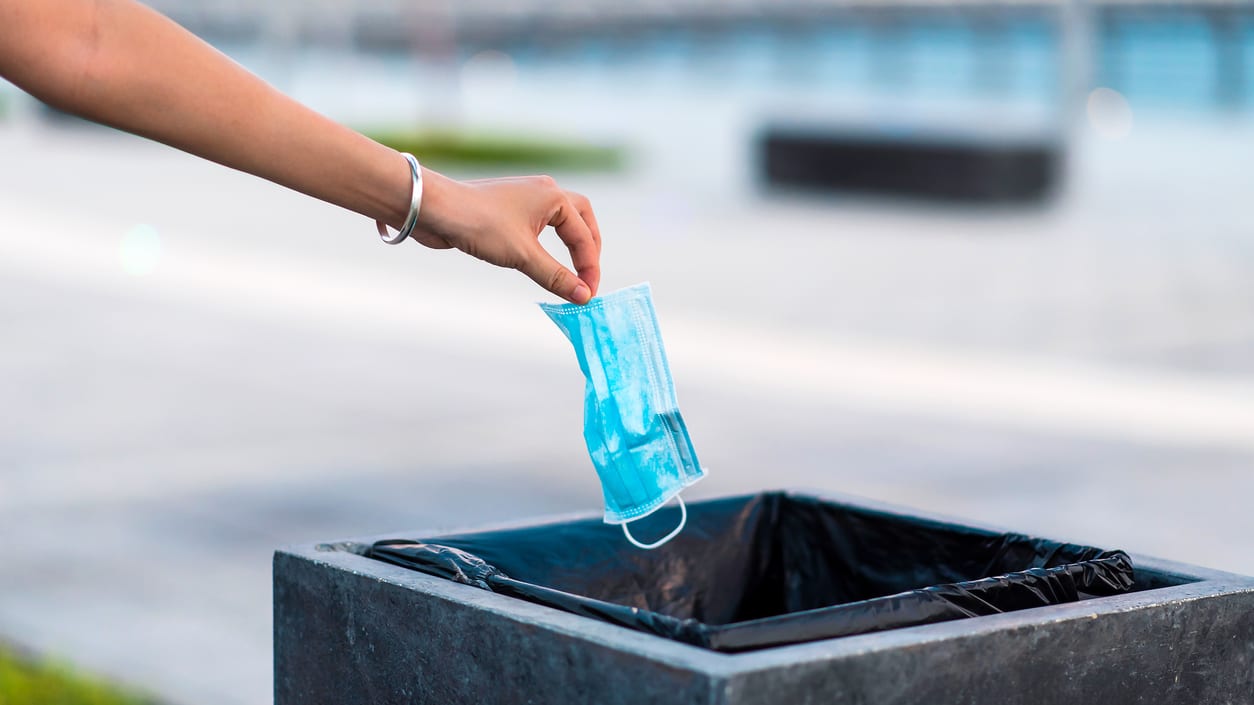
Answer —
1194 53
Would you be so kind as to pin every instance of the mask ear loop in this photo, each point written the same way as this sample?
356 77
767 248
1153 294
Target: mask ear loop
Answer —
683 519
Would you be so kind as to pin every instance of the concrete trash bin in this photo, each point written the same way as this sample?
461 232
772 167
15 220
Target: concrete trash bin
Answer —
353 629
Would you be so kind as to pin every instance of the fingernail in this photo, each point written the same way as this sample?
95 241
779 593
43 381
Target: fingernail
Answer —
581 295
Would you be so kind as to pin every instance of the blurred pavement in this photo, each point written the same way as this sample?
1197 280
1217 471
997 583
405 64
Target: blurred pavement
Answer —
264 371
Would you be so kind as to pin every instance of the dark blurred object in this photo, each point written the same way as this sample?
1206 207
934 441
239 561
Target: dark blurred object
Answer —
771 569
957 169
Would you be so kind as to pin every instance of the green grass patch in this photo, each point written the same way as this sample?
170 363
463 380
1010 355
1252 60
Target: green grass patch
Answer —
453 148
26 681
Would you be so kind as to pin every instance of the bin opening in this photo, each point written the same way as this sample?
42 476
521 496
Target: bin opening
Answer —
771 569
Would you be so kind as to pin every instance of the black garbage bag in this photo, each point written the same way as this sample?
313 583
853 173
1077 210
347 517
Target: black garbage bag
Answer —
771 569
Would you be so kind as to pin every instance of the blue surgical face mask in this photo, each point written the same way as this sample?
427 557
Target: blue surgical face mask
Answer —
635 434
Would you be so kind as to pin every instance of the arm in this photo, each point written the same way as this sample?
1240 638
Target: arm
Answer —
122 64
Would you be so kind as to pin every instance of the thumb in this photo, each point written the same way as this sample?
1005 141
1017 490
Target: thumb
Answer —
550 274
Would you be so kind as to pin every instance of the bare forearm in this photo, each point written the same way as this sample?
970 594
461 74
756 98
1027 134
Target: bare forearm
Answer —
121 64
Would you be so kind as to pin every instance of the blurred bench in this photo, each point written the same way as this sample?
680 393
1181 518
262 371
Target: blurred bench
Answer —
932 166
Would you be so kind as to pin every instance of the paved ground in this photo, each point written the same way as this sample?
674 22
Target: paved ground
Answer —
1082 371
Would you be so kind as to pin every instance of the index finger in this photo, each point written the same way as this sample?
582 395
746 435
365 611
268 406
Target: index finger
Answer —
585 254
584 206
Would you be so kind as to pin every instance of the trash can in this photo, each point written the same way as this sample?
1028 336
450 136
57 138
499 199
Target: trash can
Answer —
782 597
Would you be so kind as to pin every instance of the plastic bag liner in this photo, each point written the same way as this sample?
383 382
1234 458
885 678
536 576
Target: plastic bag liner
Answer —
771 569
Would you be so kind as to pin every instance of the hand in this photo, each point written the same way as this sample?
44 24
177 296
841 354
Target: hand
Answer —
123 64
500 220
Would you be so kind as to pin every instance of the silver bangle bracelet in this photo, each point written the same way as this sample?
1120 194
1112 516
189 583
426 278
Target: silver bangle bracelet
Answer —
415 204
